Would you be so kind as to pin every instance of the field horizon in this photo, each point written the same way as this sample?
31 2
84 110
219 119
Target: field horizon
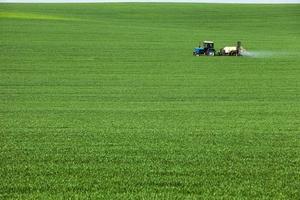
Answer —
158 1
107 101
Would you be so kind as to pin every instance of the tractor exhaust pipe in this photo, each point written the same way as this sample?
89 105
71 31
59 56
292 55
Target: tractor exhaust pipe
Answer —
238 48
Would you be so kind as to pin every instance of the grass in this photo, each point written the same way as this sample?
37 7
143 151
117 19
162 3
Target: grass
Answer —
107 101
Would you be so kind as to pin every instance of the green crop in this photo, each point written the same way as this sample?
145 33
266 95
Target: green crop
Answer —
107 101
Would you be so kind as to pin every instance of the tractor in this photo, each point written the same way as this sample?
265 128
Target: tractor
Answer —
206 50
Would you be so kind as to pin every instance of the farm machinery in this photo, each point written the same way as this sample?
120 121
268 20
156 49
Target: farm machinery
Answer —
207 49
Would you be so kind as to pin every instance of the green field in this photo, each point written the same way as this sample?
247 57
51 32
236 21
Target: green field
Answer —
106 101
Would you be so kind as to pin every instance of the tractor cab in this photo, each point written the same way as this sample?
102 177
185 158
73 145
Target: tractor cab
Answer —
207 49
208 45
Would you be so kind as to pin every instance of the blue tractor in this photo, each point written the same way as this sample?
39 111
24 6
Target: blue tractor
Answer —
206 50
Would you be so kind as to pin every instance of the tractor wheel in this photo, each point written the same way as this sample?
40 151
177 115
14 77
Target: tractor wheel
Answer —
211 53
